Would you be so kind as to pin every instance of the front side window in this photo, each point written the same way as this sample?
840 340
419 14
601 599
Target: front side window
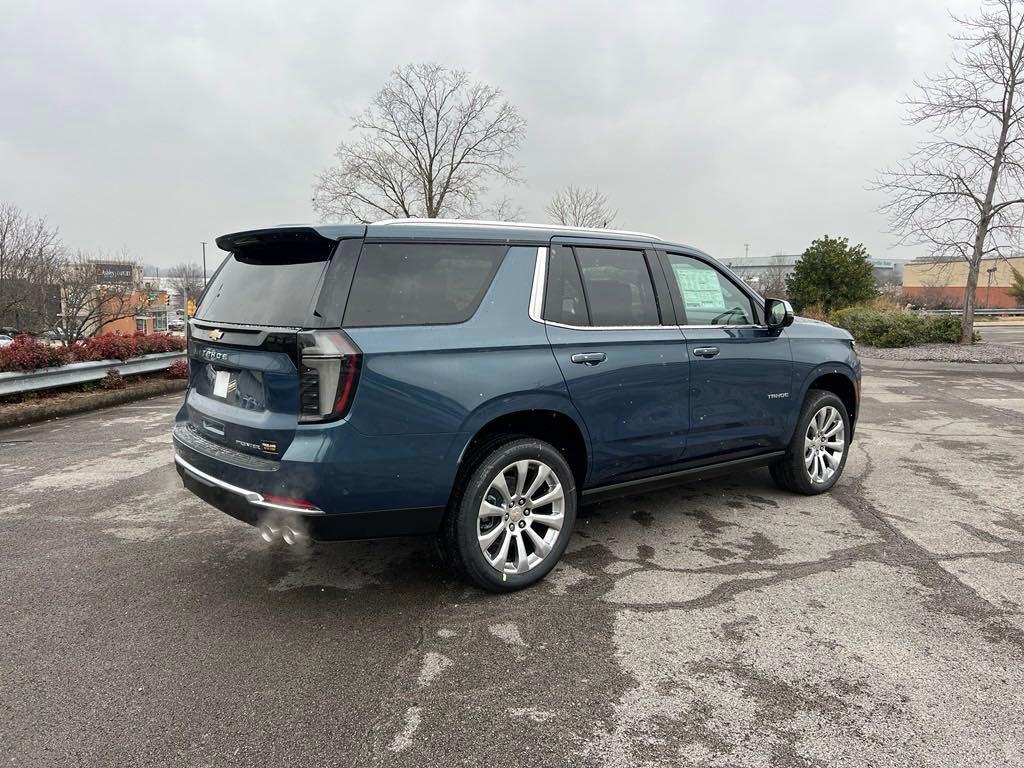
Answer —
618 287
420 284
709 297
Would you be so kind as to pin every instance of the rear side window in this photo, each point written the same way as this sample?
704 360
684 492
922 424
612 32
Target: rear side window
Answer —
273 286
563 300
420 284
618 287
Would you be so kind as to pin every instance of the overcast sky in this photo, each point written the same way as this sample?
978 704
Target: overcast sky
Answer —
713 123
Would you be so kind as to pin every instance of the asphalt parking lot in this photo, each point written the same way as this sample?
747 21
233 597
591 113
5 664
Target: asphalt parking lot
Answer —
720 624
1002 334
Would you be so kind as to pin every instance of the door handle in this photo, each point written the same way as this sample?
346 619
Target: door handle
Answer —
589 358
705 351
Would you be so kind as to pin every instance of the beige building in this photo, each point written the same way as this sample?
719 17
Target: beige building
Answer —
932 282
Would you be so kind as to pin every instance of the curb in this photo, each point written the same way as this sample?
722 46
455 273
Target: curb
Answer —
941 365
30 413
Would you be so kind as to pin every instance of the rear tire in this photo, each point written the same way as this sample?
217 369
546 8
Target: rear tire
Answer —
817 454
511 516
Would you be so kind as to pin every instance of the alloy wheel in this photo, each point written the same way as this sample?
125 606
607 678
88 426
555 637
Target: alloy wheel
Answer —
520 516
824 444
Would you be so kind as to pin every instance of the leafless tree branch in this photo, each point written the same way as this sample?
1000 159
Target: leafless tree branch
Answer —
961 192
428 145
30 254
581 207
187 279
87 304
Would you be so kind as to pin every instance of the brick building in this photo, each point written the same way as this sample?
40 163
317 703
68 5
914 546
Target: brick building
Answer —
933 282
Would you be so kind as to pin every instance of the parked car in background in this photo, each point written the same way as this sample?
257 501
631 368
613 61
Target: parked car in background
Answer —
176 324
480 381
5 339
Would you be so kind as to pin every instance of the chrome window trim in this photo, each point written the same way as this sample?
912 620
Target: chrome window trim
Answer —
722 327
252 497
537 307
537 292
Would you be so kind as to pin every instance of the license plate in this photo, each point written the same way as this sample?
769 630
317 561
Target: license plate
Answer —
222 384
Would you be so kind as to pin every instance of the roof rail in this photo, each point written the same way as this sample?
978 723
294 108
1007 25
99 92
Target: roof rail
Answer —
515 225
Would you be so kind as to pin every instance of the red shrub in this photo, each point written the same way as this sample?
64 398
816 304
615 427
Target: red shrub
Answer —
109 346
177 370
151 343
28 354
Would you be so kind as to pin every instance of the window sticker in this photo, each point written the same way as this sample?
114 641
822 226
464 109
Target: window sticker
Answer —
700 287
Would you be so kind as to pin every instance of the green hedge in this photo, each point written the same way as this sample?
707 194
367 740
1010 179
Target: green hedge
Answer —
892 328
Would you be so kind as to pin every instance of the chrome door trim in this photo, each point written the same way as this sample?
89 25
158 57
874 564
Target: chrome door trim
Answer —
537 304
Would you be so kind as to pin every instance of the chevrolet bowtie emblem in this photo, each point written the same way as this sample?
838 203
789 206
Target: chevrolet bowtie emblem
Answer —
215 334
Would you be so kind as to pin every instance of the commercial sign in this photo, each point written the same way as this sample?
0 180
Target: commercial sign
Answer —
114 273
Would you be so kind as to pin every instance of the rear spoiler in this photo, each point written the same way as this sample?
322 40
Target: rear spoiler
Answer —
261 241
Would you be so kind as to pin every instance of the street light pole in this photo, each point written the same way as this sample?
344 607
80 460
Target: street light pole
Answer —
204 264
988 290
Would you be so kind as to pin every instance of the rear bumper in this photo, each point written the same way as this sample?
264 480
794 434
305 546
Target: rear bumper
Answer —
251 508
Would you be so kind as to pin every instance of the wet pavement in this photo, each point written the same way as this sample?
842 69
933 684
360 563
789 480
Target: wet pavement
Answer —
721 624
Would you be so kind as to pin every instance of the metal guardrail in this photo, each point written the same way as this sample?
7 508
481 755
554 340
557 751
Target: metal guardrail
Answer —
16 382
994 312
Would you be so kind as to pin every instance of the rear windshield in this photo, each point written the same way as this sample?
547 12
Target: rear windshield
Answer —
274 287
420 284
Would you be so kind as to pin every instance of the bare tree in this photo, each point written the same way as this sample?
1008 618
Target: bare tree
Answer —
768 281
90 299
187 280
429 143
581 207
773 282
960 192
502 210
30 252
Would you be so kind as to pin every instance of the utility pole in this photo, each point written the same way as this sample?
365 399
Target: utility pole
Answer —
746 250
204 264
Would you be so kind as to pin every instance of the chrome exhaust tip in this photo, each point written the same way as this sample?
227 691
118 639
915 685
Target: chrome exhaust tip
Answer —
290 535
269 533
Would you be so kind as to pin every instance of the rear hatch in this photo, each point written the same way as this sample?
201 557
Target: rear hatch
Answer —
265 351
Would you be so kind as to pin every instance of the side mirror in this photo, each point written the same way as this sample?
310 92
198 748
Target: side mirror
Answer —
778 313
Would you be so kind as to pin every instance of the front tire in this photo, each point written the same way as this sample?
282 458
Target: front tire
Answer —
512 518
817 454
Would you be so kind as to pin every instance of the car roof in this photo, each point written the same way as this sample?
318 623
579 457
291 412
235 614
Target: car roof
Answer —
440 229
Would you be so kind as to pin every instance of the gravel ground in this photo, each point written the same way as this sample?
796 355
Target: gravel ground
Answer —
950 353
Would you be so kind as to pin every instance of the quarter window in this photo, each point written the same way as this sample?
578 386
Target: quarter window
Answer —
618 287
420 284
709 297
563 300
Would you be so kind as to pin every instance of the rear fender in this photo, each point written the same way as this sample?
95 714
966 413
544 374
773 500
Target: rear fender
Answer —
522 401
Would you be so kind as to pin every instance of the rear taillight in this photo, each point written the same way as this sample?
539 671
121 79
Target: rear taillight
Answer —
328 371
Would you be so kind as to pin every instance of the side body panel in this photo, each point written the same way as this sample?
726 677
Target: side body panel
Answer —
630 383
741 399
634 402
425 391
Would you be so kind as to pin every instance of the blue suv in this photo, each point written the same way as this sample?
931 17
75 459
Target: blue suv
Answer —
480 381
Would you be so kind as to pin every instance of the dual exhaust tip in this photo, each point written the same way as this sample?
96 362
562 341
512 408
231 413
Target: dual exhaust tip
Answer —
271 533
